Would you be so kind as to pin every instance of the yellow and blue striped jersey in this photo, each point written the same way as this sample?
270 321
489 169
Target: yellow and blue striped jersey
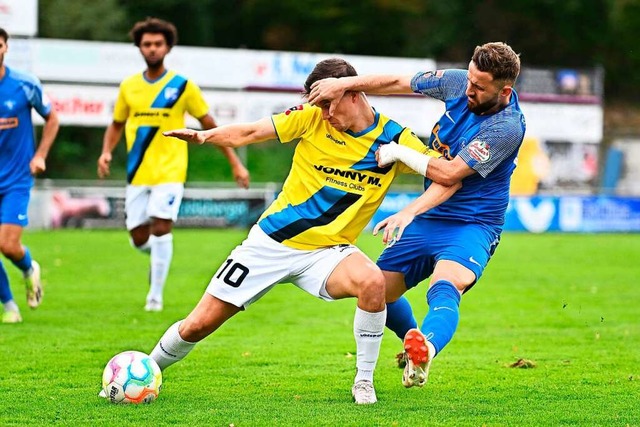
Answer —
335 185
150 108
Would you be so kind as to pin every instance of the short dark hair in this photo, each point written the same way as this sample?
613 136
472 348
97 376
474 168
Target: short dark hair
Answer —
332 67
4 34
154 25
499 60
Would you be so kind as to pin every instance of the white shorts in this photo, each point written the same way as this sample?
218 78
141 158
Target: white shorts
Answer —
260 263
143 202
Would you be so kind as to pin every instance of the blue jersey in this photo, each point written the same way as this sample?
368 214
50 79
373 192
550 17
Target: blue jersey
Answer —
19 93
488 144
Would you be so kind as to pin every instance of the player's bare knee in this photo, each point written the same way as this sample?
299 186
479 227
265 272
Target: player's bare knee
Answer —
371 291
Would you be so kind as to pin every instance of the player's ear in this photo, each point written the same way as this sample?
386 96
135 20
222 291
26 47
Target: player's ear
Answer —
506 91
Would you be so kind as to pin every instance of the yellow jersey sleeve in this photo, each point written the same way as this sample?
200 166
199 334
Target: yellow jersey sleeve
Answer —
121 108
296 122
195 103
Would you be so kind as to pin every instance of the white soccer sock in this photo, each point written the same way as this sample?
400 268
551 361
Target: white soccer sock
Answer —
11 306
171 348
161 254
144 248
368 329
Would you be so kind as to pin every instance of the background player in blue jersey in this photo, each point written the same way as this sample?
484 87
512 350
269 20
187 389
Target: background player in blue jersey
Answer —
19 162
307 235
480 132
149 103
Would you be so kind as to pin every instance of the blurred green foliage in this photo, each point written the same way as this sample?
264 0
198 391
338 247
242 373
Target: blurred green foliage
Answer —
570 33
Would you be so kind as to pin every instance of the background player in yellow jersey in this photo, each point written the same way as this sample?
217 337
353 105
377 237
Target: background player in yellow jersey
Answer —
307 235
149 103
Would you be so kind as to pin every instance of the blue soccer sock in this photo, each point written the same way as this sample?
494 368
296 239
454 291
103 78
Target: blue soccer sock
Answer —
441 322
400 317
25 263
5 290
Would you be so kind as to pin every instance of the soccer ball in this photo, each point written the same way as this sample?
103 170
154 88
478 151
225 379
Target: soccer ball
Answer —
131 377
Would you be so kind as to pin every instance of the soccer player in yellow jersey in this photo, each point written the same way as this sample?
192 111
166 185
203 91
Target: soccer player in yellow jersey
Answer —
148 104
307 235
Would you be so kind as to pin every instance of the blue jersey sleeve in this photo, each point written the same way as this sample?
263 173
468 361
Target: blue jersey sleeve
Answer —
33 91
442 84
498 138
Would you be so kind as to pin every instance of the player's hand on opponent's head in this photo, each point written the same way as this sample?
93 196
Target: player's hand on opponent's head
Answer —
393 226
104 162
386 154
37 165
328 89
241 175
189 135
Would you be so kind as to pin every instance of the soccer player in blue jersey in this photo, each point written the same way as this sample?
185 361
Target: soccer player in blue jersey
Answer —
149 103
20 92
307 235
480 133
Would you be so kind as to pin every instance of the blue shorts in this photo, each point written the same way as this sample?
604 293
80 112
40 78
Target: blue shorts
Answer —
13 207
426 241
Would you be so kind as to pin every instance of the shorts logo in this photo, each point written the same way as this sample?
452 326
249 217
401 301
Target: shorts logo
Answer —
479 150
22 217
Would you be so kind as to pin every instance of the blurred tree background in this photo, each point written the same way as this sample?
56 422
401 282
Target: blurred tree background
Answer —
572 33
555 33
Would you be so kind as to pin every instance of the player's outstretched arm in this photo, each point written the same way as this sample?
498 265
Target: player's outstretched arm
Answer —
332 89
394 225
234 135
240 172
440 170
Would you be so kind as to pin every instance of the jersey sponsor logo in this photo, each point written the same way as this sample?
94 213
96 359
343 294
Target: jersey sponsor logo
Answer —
350 174
336 140
438 145
296 108
8 123
479 150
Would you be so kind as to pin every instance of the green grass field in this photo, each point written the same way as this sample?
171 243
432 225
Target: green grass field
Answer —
568 303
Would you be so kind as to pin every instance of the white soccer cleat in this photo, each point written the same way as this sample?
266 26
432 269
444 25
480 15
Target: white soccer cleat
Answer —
11 316
33 284
417 359
153 305
363 393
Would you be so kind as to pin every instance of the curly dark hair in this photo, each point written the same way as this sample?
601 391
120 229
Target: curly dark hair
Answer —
499 60
154 25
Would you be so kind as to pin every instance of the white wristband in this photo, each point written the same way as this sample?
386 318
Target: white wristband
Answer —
412 158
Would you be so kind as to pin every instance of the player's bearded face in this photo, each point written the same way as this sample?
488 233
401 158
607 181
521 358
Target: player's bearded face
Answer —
153 48
483 94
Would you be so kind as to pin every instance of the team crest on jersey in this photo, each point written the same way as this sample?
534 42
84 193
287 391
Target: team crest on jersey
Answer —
296 108
170 93
479 150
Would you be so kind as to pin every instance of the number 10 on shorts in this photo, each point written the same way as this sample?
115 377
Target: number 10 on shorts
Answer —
234 273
